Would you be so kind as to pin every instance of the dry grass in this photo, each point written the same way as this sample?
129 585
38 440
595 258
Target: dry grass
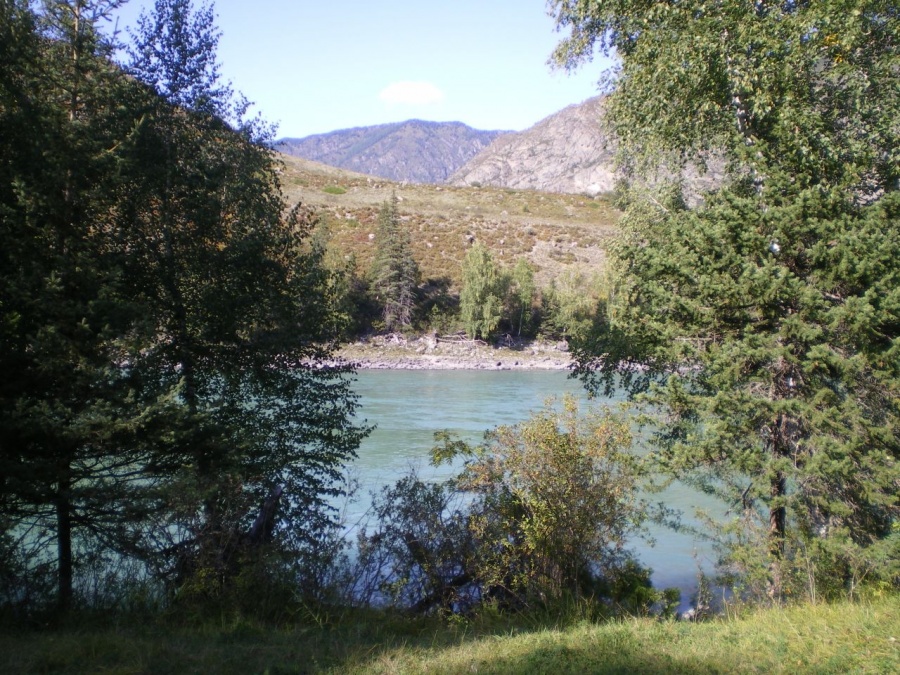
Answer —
553 231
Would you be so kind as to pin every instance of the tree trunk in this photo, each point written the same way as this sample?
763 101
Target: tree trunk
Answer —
777 510
64 545
781 448
777 516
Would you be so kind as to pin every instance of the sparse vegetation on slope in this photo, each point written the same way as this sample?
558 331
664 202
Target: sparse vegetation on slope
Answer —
554 232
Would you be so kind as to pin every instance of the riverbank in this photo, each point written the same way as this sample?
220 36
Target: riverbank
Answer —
432 352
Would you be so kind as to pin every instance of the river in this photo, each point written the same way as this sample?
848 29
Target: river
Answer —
408 406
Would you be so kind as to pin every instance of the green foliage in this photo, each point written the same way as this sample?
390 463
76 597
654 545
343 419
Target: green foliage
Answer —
436 307
483 290
70 435
334 190
442 321
570 303
421 550
556 500
349 294
803 88
243 316
762 325
521 294
538 514
174 51
395 274
163 324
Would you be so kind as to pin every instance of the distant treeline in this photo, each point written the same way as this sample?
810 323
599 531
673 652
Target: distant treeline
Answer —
494 301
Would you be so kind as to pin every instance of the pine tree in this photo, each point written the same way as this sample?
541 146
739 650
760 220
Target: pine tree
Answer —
764 324
395 274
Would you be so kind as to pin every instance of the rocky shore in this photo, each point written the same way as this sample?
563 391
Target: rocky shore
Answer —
432 352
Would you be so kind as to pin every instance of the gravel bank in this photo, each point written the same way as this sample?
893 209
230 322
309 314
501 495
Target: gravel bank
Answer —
452 353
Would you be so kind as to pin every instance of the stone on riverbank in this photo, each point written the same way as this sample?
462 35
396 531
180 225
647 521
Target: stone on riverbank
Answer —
454 353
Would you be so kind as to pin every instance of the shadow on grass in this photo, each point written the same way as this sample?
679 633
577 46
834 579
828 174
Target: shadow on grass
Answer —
359 644
820 639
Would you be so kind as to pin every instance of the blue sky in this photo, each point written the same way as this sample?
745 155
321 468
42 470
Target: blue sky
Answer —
317 66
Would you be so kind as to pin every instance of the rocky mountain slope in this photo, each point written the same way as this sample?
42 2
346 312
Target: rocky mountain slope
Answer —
413 151
567 152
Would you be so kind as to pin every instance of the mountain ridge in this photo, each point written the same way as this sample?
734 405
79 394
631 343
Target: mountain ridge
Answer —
566 152
416 151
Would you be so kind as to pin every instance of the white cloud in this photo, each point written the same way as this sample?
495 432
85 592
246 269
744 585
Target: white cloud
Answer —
411 93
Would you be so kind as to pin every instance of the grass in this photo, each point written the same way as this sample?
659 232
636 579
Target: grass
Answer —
839 638
554 232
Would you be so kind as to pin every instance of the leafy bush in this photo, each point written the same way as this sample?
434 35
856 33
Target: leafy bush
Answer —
537 514
569 304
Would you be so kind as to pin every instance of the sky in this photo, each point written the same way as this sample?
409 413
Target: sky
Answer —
317 66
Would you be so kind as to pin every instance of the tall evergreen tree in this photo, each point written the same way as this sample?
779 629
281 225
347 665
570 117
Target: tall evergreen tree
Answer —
395 274
765 324
69 436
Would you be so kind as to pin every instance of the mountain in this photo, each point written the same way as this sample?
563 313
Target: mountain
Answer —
415 151
569 152
566 152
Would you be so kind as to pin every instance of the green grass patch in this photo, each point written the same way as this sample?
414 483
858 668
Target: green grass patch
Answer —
334 190
826 638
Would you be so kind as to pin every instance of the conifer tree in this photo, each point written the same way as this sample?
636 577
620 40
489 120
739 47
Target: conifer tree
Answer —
764 324
395 274
70 438
161 323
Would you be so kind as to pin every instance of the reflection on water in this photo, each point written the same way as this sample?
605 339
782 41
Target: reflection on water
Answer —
408 406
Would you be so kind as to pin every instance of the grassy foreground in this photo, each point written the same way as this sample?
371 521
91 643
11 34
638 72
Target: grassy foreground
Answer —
840 638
